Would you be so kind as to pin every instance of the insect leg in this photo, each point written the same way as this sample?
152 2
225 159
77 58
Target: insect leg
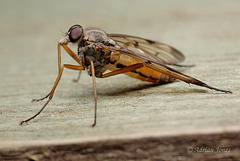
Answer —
62 43
73 67
36 100
123 70
78 78
95 91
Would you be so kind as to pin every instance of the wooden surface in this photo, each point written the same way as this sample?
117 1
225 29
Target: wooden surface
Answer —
187 147
128 110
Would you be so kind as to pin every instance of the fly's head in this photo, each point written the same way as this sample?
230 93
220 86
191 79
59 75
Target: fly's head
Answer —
75 33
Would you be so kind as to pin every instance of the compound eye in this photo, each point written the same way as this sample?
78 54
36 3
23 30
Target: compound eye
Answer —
75 33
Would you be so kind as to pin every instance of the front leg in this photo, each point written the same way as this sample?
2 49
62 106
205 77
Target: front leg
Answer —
68 66
63 43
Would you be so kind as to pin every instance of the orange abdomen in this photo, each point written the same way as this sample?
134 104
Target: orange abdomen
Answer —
144 73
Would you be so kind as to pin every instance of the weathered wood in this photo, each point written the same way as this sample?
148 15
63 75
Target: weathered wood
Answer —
135 119
223 146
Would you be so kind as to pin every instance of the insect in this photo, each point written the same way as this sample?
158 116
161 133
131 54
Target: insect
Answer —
136 57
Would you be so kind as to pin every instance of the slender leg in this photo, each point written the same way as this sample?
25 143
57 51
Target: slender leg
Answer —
62 43
36 100
69 51
95 91
78 78
123 70
73 67
119 71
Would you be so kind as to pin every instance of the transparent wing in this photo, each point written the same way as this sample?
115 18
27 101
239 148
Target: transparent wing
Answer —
154 50
160 67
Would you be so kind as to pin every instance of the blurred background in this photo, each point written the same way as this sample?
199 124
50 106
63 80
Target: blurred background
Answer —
29 28
207 32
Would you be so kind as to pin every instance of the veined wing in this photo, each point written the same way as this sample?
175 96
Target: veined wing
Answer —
160 67
154 50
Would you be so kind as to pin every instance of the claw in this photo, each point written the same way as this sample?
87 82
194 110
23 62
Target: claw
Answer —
36 100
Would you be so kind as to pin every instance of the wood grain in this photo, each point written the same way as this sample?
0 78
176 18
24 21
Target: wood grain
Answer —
136 120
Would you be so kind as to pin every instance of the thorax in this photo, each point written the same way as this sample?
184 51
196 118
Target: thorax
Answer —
89 51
